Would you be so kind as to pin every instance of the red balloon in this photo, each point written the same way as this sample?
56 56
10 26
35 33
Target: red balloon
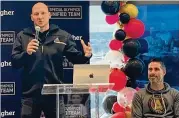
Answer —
119 115
117 108
111 19
115 44
135 28
118 78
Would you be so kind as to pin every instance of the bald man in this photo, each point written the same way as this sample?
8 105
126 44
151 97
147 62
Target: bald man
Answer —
40 16
41 60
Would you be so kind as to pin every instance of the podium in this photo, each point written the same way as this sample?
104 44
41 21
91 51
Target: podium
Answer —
95 88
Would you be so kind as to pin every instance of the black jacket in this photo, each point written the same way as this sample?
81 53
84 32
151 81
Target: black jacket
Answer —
45 65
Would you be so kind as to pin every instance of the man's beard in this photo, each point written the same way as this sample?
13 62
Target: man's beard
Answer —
155 80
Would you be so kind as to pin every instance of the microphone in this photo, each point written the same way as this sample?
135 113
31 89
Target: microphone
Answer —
37 30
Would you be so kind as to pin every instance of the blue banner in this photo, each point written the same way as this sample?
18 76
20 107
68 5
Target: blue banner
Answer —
72 16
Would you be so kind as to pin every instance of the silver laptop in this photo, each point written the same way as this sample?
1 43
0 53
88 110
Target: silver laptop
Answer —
86 74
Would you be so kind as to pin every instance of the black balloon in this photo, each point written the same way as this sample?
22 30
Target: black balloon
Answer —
144 46
108 103
131 47
110 7
120 35
124 18
134 68
131 82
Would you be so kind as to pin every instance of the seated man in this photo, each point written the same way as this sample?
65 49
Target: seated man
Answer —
157 100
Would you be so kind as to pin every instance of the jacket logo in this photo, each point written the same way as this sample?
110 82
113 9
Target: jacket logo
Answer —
57 40
158 104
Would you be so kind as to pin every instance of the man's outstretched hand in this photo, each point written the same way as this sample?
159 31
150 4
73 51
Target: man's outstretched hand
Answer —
87 49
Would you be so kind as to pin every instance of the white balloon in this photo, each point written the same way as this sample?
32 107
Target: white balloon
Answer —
118 65
114 55
125 96
115 59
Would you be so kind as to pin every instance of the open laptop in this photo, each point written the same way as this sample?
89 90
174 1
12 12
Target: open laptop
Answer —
86 74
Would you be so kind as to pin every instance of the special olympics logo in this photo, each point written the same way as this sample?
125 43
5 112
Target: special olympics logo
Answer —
7 37
7 88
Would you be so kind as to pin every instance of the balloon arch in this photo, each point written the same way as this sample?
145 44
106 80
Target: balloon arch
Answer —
125 47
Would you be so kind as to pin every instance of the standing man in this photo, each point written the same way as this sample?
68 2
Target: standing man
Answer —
41 60
157 100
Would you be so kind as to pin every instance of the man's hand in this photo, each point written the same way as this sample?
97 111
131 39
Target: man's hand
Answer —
87 49
32 46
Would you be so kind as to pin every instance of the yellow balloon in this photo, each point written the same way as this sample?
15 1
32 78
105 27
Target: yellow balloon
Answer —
128 114
129 9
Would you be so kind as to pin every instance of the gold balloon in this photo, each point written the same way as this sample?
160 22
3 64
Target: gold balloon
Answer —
128 114
129 9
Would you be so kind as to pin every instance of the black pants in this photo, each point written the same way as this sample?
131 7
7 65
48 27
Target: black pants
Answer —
32 107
